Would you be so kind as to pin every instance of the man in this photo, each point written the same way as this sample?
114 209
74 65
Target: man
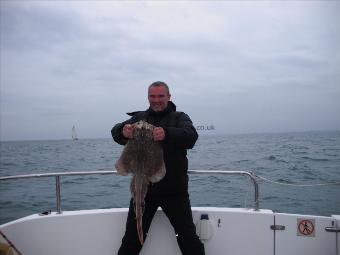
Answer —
177 134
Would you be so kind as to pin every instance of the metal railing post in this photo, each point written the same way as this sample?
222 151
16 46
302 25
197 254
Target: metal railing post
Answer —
257 201
256 190
57 189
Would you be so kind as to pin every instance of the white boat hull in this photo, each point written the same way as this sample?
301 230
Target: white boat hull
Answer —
233 232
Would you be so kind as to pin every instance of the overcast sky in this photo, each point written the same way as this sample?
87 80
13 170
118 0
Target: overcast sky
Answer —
243 67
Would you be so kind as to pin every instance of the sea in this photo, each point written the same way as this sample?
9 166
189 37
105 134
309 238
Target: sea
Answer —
298 173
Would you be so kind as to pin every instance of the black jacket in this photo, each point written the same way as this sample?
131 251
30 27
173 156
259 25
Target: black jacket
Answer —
180 136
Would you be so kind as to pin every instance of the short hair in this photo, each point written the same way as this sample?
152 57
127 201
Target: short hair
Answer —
160 84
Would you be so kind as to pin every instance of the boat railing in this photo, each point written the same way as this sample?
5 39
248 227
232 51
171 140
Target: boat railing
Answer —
58 176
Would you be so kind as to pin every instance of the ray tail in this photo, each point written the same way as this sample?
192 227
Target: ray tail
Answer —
139 205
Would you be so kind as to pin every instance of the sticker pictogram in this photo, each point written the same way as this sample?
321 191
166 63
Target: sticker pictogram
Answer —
306 227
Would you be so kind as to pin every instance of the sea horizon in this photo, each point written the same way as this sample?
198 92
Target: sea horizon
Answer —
200 133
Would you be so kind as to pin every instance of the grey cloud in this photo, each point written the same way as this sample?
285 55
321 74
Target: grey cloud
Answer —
226 64
36 28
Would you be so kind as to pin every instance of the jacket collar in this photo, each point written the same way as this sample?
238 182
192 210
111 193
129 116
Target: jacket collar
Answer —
171 107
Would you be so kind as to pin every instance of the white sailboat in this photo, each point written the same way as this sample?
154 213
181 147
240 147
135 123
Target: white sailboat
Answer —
74 134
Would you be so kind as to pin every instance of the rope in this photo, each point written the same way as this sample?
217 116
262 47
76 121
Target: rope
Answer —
10 243
297 184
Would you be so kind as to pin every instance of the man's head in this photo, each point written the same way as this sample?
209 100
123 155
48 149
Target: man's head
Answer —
159 96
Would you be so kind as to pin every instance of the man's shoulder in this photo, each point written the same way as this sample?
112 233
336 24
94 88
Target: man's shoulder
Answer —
177 113
180 115
176 117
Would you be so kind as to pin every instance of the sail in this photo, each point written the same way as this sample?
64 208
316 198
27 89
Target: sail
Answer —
74 133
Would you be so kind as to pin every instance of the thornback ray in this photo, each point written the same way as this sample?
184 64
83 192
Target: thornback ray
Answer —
143 158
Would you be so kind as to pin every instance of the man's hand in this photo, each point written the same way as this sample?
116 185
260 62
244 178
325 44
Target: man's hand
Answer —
128 131
158 134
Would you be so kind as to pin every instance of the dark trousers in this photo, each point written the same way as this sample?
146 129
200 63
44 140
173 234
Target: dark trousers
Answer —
177 208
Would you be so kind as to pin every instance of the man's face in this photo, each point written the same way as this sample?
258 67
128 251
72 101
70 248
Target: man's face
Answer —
158 98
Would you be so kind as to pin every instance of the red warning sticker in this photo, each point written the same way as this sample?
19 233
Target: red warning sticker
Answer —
306 227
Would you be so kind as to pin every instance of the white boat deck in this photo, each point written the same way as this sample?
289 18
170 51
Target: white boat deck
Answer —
235 231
